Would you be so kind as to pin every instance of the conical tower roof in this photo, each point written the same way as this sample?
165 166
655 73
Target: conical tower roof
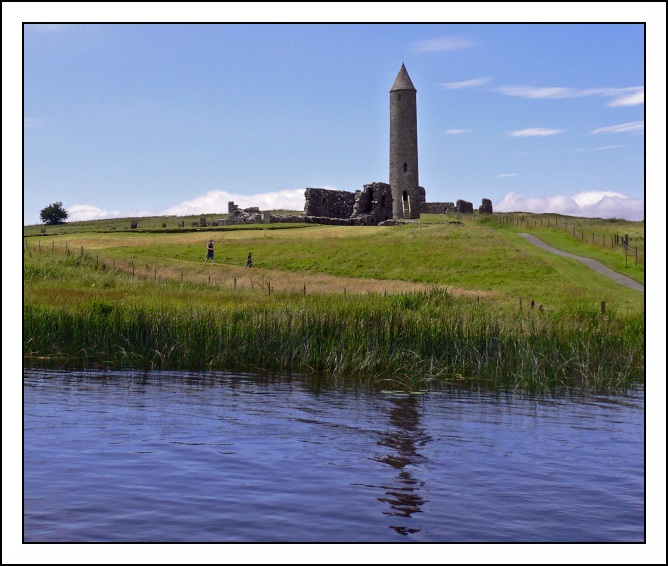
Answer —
403 81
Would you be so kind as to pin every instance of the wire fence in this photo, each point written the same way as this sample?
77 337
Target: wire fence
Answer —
222 275
622 243
222 278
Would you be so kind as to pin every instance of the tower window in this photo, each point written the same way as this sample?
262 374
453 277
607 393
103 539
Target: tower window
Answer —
398 96
405 167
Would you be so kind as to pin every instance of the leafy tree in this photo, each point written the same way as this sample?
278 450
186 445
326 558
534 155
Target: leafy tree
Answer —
54 214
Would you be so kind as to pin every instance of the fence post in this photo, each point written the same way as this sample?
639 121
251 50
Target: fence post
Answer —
602 308
235 283
269 287
304 289
636 255
82 251
520 302
133 268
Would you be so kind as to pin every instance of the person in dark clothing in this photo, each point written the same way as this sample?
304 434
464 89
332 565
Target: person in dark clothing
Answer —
249 261
209 251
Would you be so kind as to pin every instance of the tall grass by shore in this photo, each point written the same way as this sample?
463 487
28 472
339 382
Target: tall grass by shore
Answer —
406 340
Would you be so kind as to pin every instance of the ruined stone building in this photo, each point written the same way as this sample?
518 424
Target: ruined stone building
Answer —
402 198
378 202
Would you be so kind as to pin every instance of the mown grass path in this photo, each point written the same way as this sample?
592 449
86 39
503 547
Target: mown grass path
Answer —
592 263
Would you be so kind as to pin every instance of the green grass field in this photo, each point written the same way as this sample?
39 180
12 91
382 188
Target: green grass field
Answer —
429 300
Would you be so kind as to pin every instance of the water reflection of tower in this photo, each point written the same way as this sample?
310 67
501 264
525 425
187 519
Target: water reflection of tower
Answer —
403 439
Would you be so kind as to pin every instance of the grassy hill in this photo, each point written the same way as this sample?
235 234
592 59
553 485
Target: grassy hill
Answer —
486 257
443 297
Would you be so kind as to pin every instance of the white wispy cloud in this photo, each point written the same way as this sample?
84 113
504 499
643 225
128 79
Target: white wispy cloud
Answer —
528 132
628 127
589 204
216 202
465 84
456 131
452 43
213 202
630 96
633 99
538 92
507 175
81 212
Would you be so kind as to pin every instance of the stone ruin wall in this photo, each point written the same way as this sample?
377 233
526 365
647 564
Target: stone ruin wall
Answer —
436 207
422 197
236 215
464 207
373 204
486 207
369 207
328 203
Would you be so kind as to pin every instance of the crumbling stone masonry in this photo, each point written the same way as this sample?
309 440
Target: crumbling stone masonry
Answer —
373 204
437 207
464 207
422 197
485 207
235 215
328 204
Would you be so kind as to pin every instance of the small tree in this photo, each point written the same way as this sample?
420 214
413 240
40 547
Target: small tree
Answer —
54 214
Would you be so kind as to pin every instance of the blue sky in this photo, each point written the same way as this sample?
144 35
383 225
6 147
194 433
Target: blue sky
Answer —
144 119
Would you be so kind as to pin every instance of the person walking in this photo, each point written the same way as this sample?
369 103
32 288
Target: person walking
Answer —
249 261
209 251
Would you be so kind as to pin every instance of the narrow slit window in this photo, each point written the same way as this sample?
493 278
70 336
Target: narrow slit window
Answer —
405 167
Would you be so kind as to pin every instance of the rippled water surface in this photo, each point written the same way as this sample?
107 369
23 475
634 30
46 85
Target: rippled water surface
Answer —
160 456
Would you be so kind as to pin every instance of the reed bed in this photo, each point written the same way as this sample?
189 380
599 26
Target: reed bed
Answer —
405 341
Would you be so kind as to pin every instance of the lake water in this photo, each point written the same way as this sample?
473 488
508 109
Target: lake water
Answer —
218 457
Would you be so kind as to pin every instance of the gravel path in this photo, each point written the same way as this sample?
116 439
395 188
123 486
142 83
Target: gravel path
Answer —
621 279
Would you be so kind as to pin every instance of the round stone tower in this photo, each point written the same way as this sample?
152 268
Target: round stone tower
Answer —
403 148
